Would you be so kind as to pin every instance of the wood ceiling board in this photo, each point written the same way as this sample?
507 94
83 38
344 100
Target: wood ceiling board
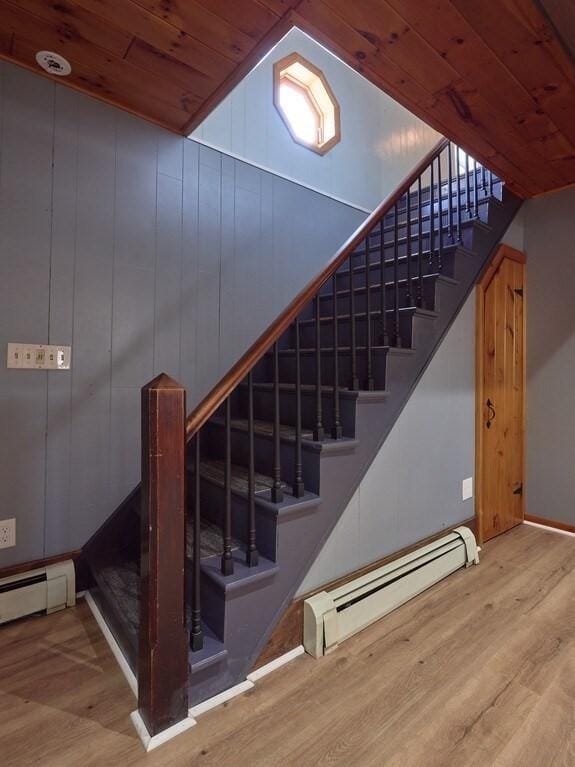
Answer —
457 42
130 16
254 20
527 57
160 64
203 25
561 13
72 22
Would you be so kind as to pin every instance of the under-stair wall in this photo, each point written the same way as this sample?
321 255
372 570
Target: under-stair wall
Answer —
395 506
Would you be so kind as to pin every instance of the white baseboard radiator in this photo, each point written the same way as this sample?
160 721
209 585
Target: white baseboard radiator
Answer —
46 589
329 618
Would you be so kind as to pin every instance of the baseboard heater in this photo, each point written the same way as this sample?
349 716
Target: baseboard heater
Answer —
46 589
329 618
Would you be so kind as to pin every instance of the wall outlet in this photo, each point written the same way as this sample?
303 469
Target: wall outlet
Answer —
7 533
467 489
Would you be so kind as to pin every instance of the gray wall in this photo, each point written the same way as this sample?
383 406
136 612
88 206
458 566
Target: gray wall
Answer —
413 487
147 253
549 224
381 141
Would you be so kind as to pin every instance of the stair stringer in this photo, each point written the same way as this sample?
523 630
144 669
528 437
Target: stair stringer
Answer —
254 613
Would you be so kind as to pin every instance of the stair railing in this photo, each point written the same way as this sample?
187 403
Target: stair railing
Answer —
428 209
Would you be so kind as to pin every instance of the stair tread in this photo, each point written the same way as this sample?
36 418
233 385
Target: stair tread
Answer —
374 313
340 349
211 539
214 470
265 428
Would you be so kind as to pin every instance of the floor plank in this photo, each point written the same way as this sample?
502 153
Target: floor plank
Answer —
480 670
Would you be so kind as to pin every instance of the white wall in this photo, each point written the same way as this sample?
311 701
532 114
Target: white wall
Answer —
381 141
550 249
413 487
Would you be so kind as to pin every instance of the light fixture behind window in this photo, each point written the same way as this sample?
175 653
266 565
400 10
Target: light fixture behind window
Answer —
306 103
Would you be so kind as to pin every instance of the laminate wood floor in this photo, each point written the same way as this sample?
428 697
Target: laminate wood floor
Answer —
480 670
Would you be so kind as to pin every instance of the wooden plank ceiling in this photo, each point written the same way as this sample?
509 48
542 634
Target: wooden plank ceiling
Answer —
493 75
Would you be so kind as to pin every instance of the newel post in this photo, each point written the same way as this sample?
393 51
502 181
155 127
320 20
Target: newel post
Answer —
163 641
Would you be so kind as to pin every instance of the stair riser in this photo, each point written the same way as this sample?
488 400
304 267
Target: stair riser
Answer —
287 368
482 197
264 409
360 300
214 442
359 274
307 332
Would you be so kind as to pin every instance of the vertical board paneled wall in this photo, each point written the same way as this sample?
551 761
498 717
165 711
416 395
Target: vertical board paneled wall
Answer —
145 251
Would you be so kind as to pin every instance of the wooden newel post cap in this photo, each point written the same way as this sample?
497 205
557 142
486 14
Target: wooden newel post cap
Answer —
163 381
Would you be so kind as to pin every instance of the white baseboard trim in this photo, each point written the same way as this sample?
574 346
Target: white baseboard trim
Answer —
276 663
220 698
114 646
550 528
153 741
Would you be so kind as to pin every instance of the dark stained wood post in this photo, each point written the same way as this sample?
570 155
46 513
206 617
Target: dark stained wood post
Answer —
163 647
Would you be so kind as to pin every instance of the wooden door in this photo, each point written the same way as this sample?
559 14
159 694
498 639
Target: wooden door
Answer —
501 394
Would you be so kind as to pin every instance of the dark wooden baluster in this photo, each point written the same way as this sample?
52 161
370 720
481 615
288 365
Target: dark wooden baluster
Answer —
450 189
431 215
368 341
252 556
163 634
483 179
409 288
467 185
298 486
227 560
475 190
354 382
318 432
440 216
419 244
277 489
396 333
196 633
490 179
459 201
382 290
337 430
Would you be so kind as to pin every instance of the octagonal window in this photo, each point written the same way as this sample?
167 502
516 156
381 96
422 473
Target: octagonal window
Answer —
306 103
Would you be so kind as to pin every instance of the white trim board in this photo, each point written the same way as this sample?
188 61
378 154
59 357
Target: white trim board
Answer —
153 741
276 663
113 645
549 528
273 172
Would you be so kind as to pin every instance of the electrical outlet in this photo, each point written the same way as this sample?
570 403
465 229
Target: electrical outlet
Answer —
467 489
7 533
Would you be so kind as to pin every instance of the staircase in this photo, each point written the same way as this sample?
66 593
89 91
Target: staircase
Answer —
277 449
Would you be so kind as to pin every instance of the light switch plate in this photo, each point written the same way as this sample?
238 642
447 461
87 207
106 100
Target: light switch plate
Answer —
7 533
38 356
467 489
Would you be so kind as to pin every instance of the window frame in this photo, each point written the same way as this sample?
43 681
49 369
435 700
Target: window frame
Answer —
280 76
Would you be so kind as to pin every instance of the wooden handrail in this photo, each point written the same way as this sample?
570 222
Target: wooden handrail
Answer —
235 375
